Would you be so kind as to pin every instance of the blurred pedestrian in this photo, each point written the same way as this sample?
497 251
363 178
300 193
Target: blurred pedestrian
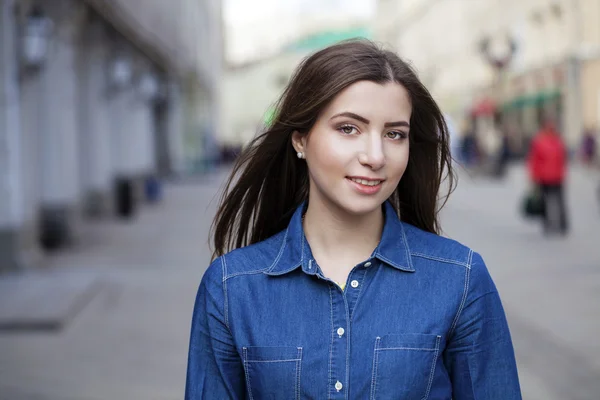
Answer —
470 148
331 279
588 147
547 163
490 139
503 157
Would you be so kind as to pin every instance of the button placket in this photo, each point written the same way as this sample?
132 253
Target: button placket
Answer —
356 280
338 368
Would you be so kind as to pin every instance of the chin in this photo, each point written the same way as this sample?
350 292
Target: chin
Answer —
355 205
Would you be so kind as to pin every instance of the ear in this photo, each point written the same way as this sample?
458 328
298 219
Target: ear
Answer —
299 142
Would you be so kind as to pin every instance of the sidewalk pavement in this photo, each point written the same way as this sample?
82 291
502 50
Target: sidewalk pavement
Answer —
132 288
128 338
550 287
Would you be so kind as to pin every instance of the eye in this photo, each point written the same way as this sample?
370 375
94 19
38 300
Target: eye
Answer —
396 135
347 129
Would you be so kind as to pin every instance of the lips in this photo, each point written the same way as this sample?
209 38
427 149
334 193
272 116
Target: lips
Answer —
367 182
365 185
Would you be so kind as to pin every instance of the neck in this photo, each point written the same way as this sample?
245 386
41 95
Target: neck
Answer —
332 232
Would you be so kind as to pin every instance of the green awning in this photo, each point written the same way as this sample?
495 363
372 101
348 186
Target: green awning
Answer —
323 39
531 100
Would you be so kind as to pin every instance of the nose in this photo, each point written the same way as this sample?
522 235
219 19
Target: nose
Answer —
373 155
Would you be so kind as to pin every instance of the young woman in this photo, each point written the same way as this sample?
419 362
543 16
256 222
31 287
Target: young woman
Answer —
330 279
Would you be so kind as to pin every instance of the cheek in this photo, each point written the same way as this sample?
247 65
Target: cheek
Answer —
330 153
397 161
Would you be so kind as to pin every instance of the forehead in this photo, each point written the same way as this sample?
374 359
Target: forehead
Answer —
374 101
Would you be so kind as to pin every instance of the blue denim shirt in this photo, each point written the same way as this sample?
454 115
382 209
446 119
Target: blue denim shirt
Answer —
420 319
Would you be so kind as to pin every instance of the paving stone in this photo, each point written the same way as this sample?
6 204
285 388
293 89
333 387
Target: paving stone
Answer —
43 301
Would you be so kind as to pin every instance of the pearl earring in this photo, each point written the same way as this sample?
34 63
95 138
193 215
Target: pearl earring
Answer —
300 155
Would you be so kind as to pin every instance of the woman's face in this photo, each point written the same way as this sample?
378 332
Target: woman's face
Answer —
358 149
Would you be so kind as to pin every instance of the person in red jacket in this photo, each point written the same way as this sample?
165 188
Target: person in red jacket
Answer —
547 162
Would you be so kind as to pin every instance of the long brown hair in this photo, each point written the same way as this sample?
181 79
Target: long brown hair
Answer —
268 183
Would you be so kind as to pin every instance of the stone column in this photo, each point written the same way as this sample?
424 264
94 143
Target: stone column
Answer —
11 174
31 163
122 142
168 134
134 151
174 131
147 145
30 132
573 125
58 127
194 126
94 126
141 128
161 135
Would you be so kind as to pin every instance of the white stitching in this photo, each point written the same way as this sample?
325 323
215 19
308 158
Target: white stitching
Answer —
330 380
405 240
406 348
225 301
302 251
245 356
272 361
364 278
437 346
464 297
348 330
267 269
374 372
258 271
446 260
298 372
388 261
283 244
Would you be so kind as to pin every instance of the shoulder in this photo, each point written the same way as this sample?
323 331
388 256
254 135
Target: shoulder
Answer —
443 251
431 246
254 258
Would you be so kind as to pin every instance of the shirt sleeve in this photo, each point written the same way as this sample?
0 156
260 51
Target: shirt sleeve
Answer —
479 355
214 368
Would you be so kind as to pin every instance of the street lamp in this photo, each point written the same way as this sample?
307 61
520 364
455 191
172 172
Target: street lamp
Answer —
498 54
35 38
148 86
120 72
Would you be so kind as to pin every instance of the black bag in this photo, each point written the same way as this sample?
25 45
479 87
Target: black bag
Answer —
533 204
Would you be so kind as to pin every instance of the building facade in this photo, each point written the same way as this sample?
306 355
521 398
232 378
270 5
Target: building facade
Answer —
253 85
523 61
97 99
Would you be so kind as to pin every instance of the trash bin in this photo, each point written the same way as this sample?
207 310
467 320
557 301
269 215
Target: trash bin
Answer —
54 228
125 201
153 189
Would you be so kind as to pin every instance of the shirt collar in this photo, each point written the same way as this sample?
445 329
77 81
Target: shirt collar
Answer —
295 252
393 248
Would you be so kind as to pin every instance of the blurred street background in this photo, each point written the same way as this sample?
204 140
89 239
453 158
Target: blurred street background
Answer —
119 121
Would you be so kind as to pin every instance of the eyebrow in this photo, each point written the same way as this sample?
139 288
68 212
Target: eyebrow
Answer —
367 122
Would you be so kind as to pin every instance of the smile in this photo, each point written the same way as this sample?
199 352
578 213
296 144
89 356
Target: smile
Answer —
364 185
365 182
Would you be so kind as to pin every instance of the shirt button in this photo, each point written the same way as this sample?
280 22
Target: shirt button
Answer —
367 264
341 332
354 283
338 386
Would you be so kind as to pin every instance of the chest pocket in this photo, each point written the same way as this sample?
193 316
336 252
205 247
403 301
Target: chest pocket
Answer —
403 366
272 372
